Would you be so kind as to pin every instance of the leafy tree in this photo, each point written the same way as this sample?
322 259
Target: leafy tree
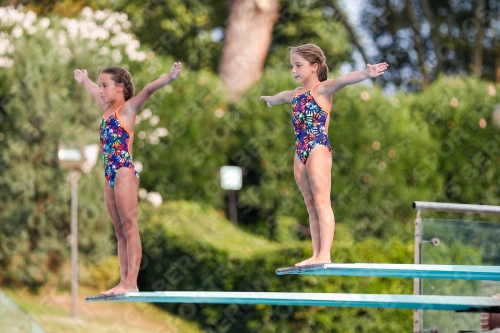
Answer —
421 39
461 117
232 38
194 31
42 106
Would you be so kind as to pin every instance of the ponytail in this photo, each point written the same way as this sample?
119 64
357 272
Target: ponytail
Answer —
323 72
128 90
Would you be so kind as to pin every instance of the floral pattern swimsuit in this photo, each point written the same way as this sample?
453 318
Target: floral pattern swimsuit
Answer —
309 121
115 143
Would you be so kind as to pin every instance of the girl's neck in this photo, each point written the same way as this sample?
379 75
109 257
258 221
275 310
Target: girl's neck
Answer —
115 105
311 82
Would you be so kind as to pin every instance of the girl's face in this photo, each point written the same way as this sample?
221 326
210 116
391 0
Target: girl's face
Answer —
108 89
301 68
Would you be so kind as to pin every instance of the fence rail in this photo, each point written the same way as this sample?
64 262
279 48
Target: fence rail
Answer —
456 208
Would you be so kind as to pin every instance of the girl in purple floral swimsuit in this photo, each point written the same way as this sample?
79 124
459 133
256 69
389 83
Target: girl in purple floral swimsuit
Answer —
311 106
115 96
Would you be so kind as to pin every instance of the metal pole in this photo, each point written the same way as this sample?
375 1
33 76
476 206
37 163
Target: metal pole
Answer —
74 240
417 285
232 207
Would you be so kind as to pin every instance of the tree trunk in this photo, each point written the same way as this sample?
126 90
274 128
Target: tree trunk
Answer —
429 15
477 55
247 39
431 19
417 40
497 69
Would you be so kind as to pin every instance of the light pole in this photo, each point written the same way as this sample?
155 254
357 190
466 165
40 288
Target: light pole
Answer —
231 179
75 158
496 115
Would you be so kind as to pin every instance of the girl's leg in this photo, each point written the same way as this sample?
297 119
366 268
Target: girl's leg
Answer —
319 172
302 180
126 188
109 196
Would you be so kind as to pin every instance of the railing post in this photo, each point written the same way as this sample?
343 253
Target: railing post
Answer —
417 283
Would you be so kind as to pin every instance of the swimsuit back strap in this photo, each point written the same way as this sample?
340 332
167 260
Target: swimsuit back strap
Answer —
315 99
311 90
113 111
116 111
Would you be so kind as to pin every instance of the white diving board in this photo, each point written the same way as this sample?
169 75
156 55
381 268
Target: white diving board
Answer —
450 303
449 272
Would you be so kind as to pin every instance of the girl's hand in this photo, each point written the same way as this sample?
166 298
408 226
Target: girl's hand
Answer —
376 70
267 99
80 75
176 70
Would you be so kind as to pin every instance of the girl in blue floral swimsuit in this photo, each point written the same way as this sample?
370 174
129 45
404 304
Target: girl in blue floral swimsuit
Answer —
115 96
309 120
311 106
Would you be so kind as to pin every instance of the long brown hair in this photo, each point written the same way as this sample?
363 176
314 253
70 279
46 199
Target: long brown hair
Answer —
120 75
314 55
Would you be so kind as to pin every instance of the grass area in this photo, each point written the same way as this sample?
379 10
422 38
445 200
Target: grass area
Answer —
52 310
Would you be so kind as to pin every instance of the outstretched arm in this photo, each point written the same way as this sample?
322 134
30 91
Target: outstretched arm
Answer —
330 87
81 77
137 102
280 98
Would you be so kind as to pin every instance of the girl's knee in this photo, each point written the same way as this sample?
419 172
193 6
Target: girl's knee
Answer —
120 233
321 205
130 227
309 201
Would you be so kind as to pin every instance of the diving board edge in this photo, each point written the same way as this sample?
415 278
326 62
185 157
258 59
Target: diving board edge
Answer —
450 272
427 302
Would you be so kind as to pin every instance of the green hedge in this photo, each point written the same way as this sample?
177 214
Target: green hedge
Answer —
190 247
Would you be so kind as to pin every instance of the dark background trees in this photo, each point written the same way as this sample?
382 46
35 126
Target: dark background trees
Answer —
424 39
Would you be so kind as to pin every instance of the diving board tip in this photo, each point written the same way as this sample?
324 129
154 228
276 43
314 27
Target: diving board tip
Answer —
451 272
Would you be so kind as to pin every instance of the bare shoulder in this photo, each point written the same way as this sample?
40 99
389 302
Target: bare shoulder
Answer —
322 87
329 87
103 105
128 107
287 96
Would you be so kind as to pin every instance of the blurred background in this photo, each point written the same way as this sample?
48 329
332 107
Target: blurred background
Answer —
427 130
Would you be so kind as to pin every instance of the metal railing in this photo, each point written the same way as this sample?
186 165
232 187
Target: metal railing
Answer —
456 208
440 207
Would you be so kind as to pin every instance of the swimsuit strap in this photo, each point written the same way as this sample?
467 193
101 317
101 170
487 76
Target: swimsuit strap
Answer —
312 94
114 111
314 86
310 90
119 108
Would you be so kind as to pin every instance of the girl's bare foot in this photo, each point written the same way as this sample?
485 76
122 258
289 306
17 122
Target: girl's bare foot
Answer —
110 291
120 289
304 262
320 260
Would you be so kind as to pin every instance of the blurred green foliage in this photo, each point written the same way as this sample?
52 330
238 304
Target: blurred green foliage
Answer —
39 110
